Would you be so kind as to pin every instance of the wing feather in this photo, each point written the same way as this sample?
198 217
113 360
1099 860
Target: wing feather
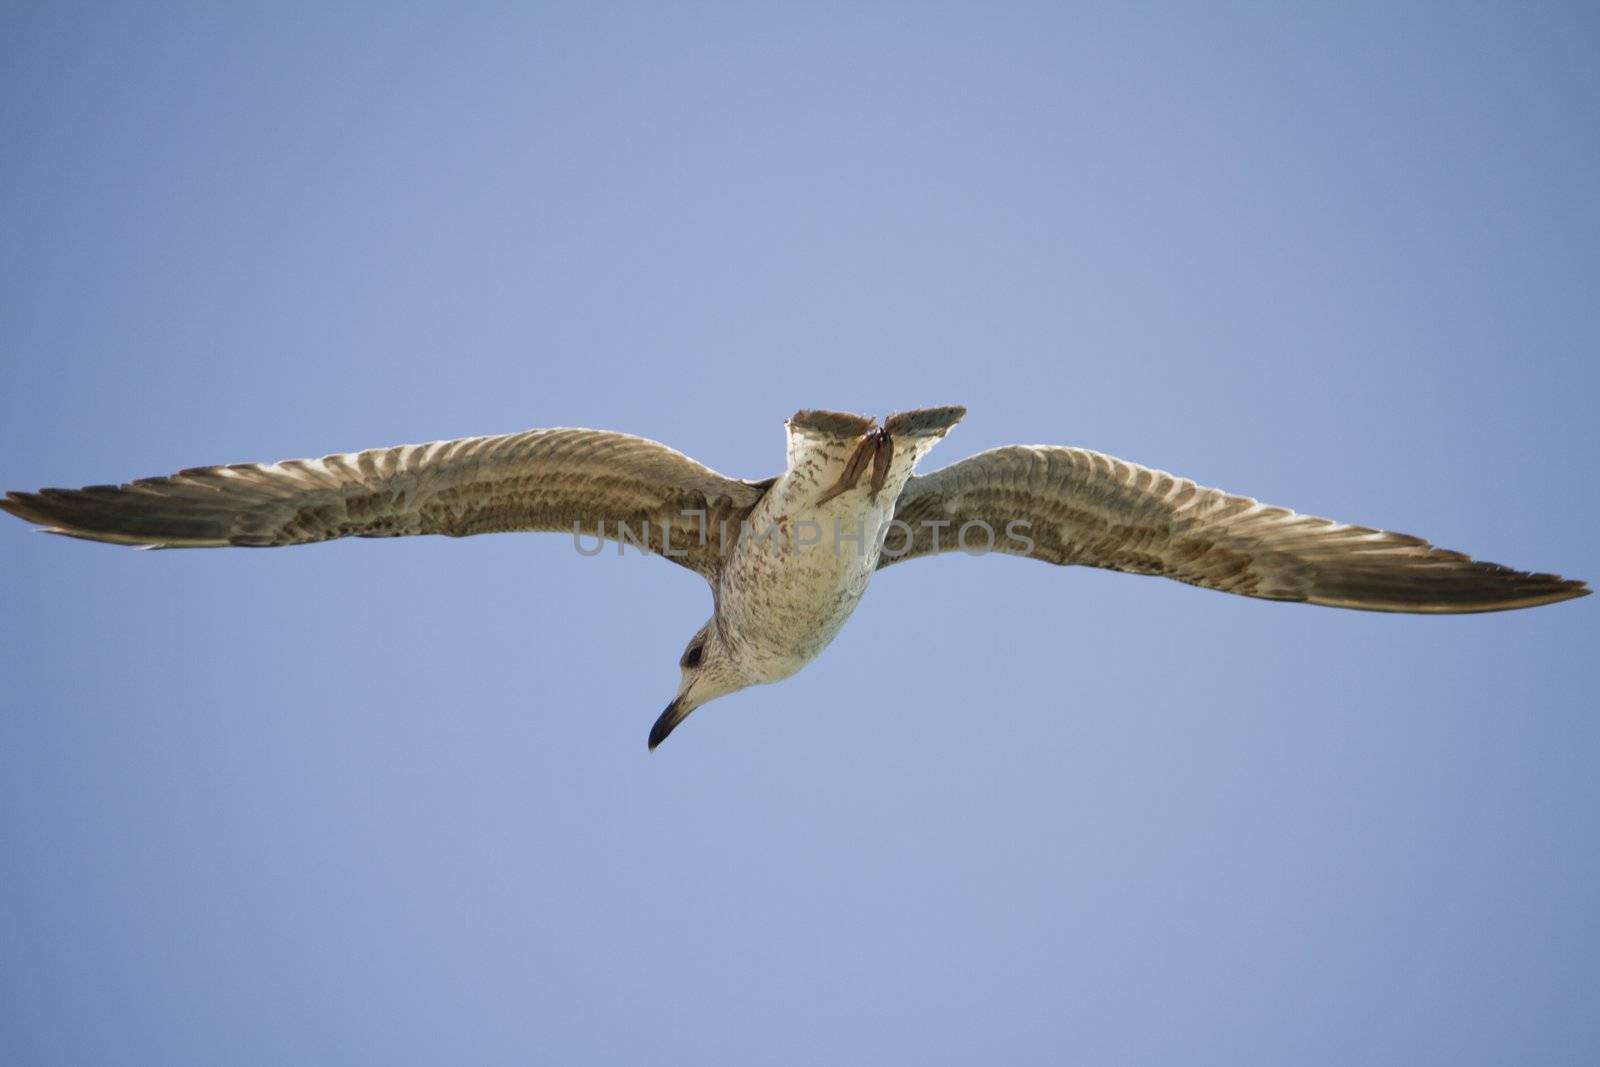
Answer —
1081 507
566 480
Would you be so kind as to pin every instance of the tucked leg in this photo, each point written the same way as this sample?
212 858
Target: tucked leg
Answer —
882 456
866 451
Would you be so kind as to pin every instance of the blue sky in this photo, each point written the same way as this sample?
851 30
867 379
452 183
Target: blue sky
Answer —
390 801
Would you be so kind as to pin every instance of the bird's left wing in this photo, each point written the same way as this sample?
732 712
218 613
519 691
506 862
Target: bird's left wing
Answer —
1070 505
592 482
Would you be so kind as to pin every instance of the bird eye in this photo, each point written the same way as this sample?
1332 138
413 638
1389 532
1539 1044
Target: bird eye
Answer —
691 658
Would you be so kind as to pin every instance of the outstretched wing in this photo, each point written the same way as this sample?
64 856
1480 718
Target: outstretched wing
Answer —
1077 506
598 483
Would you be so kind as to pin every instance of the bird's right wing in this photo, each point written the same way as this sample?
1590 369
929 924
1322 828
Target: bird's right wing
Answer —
1070 505
592 482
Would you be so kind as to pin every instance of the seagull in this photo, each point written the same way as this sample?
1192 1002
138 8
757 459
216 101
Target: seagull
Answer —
789 558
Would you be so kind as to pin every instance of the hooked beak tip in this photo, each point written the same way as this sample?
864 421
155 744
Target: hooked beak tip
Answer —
667 722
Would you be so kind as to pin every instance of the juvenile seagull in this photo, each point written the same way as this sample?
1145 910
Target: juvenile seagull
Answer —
789 558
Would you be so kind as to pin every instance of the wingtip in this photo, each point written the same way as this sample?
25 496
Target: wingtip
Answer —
62 512
1576 588
93 538
1558 589
29 507
1530 591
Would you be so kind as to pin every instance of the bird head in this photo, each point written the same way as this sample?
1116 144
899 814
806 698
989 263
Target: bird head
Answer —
707 671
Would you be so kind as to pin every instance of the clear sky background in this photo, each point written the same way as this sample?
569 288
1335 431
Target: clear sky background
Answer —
389 802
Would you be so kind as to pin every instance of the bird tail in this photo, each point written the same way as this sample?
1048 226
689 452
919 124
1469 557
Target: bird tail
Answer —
830 424
924 422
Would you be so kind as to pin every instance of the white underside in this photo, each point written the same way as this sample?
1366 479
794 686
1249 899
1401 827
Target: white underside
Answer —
800 567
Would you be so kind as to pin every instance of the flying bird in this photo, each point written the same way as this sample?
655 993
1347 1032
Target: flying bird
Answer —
789 558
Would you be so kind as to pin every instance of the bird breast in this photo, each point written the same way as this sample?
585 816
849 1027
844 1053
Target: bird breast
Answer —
799 568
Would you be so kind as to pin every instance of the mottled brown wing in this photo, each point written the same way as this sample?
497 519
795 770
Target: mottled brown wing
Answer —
607 484
1078 506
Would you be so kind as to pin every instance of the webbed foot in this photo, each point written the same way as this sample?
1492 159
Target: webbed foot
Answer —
876 448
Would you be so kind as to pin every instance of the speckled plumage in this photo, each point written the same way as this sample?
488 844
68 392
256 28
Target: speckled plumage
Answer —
798 572
789 558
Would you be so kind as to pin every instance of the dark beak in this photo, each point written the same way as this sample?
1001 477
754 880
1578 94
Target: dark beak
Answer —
676 712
